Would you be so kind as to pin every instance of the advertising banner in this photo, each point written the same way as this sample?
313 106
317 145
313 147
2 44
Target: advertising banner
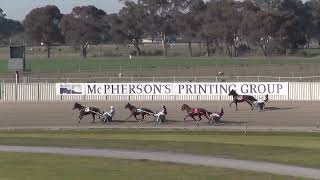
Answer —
136 89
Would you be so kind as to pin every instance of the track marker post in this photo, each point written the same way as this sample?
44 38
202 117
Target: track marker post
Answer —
317 124
246 130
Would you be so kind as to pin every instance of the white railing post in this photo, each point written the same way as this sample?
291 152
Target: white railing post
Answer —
172 79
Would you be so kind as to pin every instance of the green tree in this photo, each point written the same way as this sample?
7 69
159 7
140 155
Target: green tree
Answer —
133 22
8 28
295 21
42 25
188 25
162 17
85 25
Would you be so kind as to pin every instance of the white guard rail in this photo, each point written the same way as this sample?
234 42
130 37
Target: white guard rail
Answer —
33 92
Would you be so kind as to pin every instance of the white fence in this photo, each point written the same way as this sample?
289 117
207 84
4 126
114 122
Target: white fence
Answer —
298 91
95 79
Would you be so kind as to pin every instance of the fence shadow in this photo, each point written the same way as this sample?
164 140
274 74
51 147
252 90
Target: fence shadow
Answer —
225 122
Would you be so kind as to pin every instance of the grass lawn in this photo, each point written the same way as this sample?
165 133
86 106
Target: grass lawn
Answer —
289 148
96 64
17 166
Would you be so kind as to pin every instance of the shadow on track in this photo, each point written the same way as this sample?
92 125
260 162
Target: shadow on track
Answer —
276 109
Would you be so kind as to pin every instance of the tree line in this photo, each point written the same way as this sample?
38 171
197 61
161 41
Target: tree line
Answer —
227 27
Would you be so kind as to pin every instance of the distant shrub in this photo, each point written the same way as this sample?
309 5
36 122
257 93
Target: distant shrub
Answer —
155 52
308 52
244 49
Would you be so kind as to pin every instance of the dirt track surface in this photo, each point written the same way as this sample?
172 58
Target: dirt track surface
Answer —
278 115
175 158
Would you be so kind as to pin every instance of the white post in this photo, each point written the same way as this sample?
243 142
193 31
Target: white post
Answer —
246 128
17 77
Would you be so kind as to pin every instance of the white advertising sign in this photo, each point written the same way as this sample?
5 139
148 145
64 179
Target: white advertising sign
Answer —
243 88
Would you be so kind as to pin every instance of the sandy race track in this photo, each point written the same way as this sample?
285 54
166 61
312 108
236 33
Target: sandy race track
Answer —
51 115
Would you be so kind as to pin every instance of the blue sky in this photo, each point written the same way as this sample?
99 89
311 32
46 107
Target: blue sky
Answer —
18 9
